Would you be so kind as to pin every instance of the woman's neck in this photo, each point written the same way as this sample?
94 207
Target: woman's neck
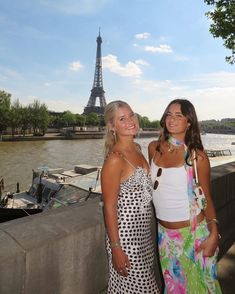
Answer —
126 144
174 144
176 141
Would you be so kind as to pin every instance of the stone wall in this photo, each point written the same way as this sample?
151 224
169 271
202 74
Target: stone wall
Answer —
63 251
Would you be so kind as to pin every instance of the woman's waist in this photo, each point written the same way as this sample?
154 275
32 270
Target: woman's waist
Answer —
180 224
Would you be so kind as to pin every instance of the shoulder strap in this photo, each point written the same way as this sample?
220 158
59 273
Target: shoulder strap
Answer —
195 166
122 156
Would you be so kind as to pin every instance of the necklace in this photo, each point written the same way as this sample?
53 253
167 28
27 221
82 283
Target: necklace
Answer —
174 144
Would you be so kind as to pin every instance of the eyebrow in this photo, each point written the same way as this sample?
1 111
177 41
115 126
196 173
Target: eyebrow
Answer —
178 112
124 115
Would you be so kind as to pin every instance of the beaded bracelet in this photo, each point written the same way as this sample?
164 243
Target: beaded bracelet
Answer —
213 220
115 244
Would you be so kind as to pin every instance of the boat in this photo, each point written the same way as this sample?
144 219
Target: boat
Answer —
50 189
218 152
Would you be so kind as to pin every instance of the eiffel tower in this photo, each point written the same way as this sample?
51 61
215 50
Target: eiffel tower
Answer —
97 90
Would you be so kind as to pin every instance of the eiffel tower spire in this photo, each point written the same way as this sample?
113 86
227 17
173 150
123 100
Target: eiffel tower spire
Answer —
97 90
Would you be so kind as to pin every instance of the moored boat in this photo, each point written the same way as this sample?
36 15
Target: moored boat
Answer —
50 189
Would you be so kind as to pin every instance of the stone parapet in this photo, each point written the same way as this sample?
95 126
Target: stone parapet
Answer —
62 251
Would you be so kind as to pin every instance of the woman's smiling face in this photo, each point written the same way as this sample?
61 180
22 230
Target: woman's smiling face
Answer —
176 122
126 122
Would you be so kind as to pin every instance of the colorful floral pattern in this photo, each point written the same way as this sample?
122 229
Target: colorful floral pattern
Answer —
184 269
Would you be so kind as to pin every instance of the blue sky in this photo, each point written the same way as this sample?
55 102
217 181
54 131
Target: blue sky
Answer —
153 51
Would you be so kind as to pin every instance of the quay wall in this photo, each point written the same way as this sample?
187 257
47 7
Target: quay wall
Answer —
63 251
73 136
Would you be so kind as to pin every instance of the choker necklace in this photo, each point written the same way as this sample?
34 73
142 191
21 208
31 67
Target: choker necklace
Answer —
174 144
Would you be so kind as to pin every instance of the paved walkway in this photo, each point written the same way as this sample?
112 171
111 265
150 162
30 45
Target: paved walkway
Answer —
226 271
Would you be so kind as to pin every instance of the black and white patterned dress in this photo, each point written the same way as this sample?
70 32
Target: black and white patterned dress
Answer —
134 224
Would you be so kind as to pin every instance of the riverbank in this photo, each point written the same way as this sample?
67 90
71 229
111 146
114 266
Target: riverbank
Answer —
72 136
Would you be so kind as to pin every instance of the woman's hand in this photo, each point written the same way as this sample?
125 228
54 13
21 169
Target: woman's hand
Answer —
209 245
120 261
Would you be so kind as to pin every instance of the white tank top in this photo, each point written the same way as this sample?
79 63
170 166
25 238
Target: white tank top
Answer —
170 199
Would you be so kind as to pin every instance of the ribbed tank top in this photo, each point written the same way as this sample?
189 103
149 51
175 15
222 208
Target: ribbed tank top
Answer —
170 199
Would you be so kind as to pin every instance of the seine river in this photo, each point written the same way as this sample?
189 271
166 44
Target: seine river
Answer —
17 159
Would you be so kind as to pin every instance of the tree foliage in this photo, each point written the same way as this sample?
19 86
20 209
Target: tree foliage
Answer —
5 104
223 24
15 116
92 119
39 117
68 119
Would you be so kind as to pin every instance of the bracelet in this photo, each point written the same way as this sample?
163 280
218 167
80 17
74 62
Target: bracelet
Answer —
213 220
115 244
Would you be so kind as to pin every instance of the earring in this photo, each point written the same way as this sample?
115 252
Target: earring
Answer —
114 136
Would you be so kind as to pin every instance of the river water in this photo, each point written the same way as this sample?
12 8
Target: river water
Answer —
17 159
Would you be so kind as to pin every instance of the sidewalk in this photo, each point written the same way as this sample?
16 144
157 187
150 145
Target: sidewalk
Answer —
226 271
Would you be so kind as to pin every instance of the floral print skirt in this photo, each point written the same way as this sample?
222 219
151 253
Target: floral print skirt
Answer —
185 270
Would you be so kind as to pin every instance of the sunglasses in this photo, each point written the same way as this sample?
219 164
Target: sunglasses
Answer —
156 183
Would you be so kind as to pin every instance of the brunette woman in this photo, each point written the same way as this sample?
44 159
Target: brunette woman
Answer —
187 225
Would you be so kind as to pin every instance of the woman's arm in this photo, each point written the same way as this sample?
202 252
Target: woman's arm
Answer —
203 166
110 183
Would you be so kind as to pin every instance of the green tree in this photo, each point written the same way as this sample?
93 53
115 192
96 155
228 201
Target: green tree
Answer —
223 24
15 116
155 124
39 117
5 104
144 122
25 119
92 119
68 119
80 119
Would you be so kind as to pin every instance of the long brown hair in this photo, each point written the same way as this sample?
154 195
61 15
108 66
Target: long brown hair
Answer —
192 137
109 116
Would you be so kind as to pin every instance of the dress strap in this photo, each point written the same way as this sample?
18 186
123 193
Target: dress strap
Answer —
122 156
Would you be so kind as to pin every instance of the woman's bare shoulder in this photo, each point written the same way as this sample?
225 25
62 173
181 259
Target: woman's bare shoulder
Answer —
153 145
113 160
202 158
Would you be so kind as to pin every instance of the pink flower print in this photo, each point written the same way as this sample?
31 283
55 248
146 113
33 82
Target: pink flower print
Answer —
173 285
169 281
174 234
197 244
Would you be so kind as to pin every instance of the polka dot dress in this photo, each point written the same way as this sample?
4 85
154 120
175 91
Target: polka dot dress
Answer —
134 222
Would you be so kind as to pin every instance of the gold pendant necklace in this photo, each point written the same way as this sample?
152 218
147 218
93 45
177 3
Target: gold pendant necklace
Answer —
172 148
174 144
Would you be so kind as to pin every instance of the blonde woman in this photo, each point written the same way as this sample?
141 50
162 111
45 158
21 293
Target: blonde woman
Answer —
127 195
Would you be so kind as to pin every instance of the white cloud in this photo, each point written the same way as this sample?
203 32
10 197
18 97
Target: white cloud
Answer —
75 65
59 105
130 69
160 49
141 62
142 36
221 79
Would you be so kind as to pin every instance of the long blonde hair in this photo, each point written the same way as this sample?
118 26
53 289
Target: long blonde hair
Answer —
109 116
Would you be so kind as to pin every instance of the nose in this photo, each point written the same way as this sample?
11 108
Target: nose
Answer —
173 117
129 120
